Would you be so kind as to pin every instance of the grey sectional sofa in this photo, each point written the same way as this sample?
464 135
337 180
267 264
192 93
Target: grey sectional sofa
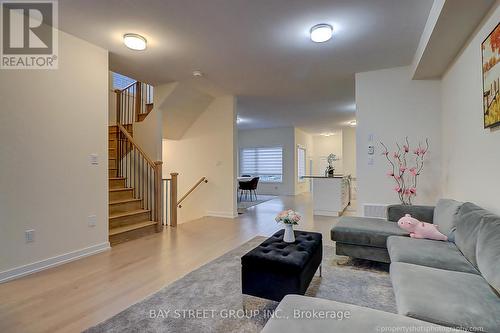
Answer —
295 314
452 284
366 238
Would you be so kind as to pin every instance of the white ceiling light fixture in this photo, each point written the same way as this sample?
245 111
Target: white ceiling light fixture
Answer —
321 33
197 73
135 42
353 123
327 134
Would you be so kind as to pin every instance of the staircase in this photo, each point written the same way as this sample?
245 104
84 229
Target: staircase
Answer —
134 179
129 217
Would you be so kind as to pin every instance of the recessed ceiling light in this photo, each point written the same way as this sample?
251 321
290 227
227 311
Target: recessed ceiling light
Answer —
197 74
353 123
134 42
321 33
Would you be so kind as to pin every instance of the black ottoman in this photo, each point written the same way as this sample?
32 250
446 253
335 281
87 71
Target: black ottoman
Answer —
275 269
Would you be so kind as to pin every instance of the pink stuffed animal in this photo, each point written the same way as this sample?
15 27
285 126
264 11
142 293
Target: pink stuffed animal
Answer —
419 229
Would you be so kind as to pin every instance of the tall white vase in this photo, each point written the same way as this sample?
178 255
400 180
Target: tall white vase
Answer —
289 236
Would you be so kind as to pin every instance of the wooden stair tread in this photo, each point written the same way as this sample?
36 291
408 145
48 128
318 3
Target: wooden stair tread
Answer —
116 202
120 189
129 213
135 226
117 178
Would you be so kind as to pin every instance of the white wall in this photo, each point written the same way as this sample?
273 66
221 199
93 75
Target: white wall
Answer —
391 106
50 122
207 149
324 146
111 100
471 154
148 134
349 151
274 137
303 140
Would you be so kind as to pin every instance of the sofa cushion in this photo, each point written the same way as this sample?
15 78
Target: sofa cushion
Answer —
488 250
298 314
469 221
445 215
444 297
426 252
421 213
365 231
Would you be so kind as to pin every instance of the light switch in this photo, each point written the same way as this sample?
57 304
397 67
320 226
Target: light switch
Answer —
371 160
29 236
94 159
92 220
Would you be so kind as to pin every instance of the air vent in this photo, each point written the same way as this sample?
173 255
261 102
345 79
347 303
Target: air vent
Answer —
375 210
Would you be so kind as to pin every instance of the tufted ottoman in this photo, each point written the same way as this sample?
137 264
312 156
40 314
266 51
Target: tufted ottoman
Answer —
275 269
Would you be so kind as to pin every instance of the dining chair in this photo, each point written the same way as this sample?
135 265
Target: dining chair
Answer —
249 187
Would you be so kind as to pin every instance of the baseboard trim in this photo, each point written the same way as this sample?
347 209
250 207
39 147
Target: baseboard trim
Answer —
41 265
326 213
227 215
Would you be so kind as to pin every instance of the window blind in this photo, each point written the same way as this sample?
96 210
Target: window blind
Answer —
264 162
301 160
121 81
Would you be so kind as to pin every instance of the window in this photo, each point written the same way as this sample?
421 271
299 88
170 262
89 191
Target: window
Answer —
266 163
121 81
301 161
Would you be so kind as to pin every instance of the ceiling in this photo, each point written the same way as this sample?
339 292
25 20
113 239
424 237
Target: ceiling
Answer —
257 50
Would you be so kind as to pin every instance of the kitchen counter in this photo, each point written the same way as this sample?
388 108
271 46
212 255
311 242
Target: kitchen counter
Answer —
331 195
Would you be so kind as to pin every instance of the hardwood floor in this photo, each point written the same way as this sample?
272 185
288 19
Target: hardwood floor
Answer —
77 295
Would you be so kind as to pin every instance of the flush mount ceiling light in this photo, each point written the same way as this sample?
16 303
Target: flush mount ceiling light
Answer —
327 134
321 33
135 42
353 123
197 73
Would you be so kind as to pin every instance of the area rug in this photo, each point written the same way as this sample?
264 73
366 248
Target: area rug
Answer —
209 298
243 205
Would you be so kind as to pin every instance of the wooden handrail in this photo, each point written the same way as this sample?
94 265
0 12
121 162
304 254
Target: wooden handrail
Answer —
132 141
130 85
202 179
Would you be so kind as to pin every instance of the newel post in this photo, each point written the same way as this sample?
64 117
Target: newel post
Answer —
158 194
138 99
118 101
173 199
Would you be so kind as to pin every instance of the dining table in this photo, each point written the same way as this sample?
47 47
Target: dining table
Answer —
244 179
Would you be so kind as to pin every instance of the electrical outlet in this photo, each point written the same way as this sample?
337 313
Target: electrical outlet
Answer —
92 220
29 235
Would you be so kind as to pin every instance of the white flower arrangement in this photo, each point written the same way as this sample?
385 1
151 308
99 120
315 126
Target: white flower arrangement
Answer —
288 217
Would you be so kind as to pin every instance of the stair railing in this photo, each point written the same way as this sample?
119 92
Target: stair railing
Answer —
169 199
141 173
133 103
191 190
